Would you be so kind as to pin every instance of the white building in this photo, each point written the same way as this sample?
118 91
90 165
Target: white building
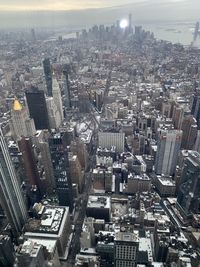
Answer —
57 97
169 144
108 140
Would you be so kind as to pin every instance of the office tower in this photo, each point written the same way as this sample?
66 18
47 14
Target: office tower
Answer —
75 171
30 164
53 113
189 128
188 199
169 144
37 108
57 97
177 117
48 75
21 124
130 23
59 156
11 197
125 249
7 253
44 159
66 89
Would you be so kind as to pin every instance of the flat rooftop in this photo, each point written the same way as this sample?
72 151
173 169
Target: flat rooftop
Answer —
50 221
99 202
127 237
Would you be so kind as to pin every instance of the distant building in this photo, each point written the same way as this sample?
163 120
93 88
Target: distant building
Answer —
108 140
169 144
48 75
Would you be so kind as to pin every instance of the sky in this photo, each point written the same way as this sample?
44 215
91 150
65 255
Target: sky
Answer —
21 5
84 13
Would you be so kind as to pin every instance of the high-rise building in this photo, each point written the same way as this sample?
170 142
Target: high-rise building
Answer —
169 144
48 75
59 156
53 113
21 124
37 108
125 249
11 197
57 97
30 164
44 158
189 128
188 199
66 90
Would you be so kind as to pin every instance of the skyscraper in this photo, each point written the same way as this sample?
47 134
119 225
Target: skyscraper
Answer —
37 108
188 199
189 128
59 156
21 124
30 166
66 89
57 97
48 75
10 194
169 144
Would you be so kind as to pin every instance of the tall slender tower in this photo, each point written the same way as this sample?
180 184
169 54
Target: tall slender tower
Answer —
57 97
48 75
169 145
66 89
11 197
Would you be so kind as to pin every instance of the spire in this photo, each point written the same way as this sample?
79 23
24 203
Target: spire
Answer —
16 105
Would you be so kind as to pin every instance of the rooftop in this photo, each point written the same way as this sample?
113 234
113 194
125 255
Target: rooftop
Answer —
99 202
50 222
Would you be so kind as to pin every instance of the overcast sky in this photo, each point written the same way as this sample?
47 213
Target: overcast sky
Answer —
14 5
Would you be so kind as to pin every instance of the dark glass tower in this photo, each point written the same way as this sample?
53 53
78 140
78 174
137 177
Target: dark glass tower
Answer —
37 108
59 156
48 75
189 191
